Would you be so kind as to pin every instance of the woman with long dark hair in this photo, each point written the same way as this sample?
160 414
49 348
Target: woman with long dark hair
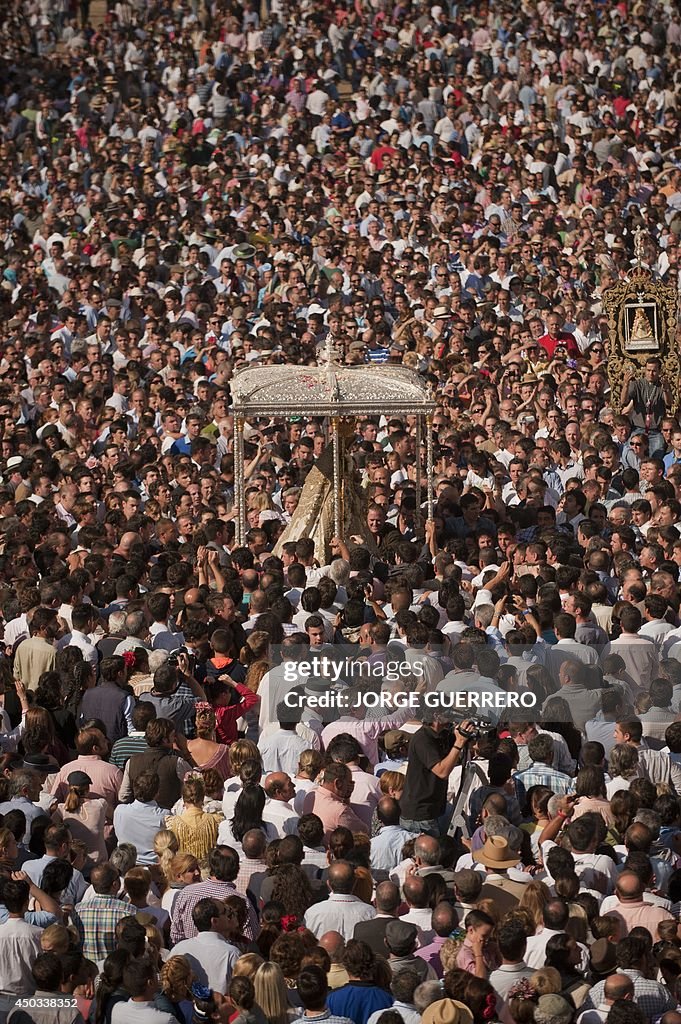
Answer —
563 953
110 989
247 815
76 676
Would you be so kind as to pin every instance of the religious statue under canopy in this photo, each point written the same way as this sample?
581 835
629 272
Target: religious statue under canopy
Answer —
314 516
641 333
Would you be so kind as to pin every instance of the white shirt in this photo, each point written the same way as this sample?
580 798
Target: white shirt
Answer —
212 959
280 750
226 836
303 787
129 1012
19 947
17 629
340 913
282 816
84 644
422 917
535 954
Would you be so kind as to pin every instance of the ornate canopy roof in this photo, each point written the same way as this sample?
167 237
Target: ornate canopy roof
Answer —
330 390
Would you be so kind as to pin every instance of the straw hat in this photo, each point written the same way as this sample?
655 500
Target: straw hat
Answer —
496 853
447 1011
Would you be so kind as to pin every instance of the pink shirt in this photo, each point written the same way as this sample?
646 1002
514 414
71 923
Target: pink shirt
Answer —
333 812
106 779
639 915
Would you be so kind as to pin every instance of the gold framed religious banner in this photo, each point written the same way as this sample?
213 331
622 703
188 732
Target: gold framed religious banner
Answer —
642 322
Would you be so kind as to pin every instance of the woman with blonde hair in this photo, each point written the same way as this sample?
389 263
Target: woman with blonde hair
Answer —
392 784
182 870
56 938
271 994
262 502
176 980
196 831
310 763
240 752
546 981
166 845
206 752
84 815
534 899
247 965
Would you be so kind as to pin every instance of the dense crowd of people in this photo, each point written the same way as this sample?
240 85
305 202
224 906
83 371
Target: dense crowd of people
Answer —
192 828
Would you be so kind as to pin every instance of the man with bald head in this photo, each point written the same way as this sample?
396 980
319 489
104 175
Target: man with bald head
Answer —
415 892
387 900
386 846
342 910
334 944
617 986
280 791
444 920
631 910
129 540
252 866
428 856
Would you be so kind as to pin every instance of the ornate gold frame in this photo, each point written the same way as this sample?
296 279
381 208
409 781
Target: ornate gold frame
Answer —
640 289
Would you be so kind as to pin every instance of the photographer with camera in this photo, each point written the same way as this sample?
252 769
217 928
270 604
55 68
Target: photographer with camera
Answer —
175 691
433 752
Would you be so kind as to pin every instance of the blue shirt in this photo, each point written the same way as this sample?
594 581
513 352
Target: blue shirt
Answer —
40 918
358 1000
31 811
138 823
74 891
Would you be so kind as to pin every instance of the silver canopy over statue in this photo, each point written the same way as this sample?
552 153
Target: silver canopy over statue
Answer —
332 502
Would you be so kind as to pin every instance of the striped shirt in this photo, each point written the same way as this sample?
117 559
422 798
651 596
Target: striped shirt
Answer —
124 748
183 927
378 355
544 775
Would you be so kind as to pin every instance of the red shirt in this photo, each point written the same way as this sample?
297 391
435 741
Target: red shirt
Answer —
227 717
564 338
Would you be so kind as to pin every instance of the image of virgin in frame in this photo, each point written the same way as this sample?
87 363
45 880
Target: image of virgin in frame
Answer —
641 328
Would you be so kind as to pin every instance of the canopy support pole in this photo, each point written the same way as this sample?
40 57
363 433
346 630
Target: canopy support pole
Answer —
418 465
429 463
335 442
239 482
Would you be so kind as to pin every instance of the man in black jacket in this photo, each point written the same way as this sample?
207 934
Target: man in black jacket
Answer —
373 932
